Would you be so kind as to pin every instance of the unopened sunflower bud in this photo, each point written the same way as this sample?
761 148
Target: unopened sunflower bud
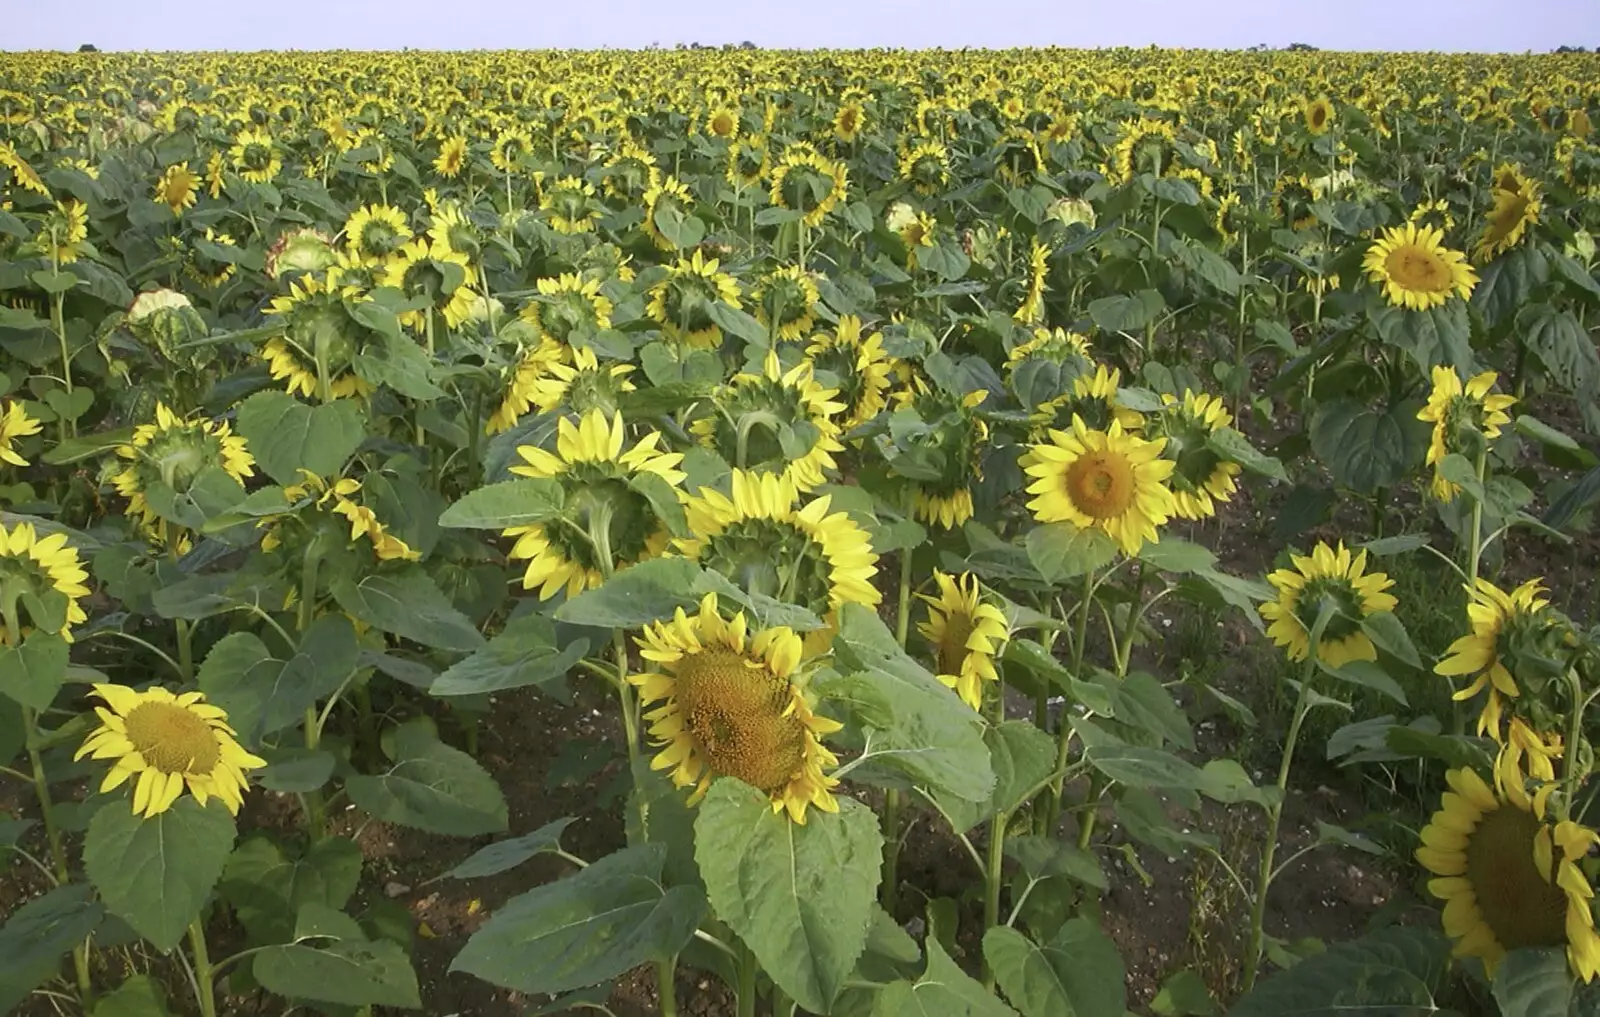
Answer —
301 250
1068 211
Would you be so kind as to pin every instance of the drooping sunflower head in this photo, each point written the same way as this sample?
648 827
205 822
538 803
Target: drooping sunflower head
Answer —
1515 210
1464 417
1032 307
1292 198
1515 644
1102 479
336 504
315 325
1146 146
1416 270
1092 398
15 424
723 702
681 302
375 233
511 150
254 157
452 157
1055 345
178 187
778 421
630 172
849 122
173 452
1437 213
555 375
1327 575
966 634
666 193
63 231
761 538
786 300
571 205
1202 477
807 182
608 522
567 305
168 744
1509 878
857 367
925 165
424 268
43 570
957 439
748 162
213 262
450 228
1319 115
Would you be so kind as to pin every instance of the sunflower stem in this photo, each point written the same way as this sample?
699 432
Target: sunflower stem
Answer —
1080 635
58 855
748 968
1475 545
1258 907
892 802
667 986
1574 774
205 988
185 650
993 870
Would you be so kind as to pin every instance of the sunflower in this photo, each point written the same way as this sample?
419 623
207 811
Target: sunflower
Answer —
15 423
668 192
1202 477
511 149
731 706
553 375
858 368
630 172
173 451
27 177
1107 480
1327 575
759 537
1515 209
1146 146
1417 271
1464 417
452 157
31 564
925 166
209 270
214 174
914 228
375 233
169 743
1056 346
178 187
1292 198
571 206
64 231
849 122
313 314
603 508
1503 626
957 436
681 302
531 365
1032 308
432 270
785 300
809 183
1509 878
1436 213
751 416
1093 399
254 157
1229 220
568 304
748 162
1319 116
449 228
338 497
966 634
723 123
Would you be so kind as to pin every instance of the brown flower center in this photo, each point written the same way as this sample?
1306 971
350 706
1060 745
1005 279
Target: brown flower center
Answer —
171 739
734 713
1416 268
1520 906
1101 484
953 647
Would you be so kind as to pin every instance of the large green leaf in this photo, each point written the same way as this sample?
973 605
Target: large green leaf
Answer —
139 996
406 602
524 653
1439 335
586 928
918 727
1127 312
1021 756
1394 972
32 674
38 934
799 896
1061 551
1534 983
505 855
1079 973
264 695
1365 448
287 436
519 502
432 787
346 968
944 990
267 888
1562 345
634 597
156 873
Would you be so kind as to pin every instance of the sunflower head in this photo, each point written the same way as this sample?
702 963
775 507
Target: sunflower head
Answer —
785 301
681 302
1514 210
807 182
375 233
571 206
173 451
1465 418
724 702
1516 644
301 250
777 421
316 328
452 157
253 156
856 366
849 122
178 187
1416 270
1319 115
953 441
1092 398
1328 576
1202 477
1509 877
665 193
168 744
39 570
426 268
748 162
608 522
966 634
15 424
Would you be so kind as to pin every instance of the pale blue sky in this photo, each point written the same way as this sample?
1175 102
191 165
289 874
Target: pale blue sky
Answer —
1538 25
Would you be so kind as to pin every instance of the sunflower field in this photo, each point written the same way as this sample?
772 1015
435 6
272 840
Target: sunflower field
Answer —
1041 533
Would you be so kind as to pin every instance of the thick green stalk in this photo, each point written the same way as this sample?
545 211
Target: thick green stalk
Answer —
892 803
1052 805
1475 545
205 981
994 870
748 969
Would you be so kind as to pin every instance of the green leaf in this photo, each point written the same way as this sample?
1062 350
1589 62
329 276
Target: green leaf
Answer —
1560 343
523 654
32 674
268 889
293 770
1140 766
38 934
1383 547
263 695
1021 756
139 996
1389 634
799 896
1210 266
1184 994
406 602
1044 858
1534 983
635 596
1061 551
1224 780
1079 973
586 928
432 787
54 282
1329 833
395 360
682 230
738 323
1127 312
1235 447
505 855
1366 674
1174 554
349 971
519 502
156 873
1394 972
1439 335
1368 449
287 436
944 990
